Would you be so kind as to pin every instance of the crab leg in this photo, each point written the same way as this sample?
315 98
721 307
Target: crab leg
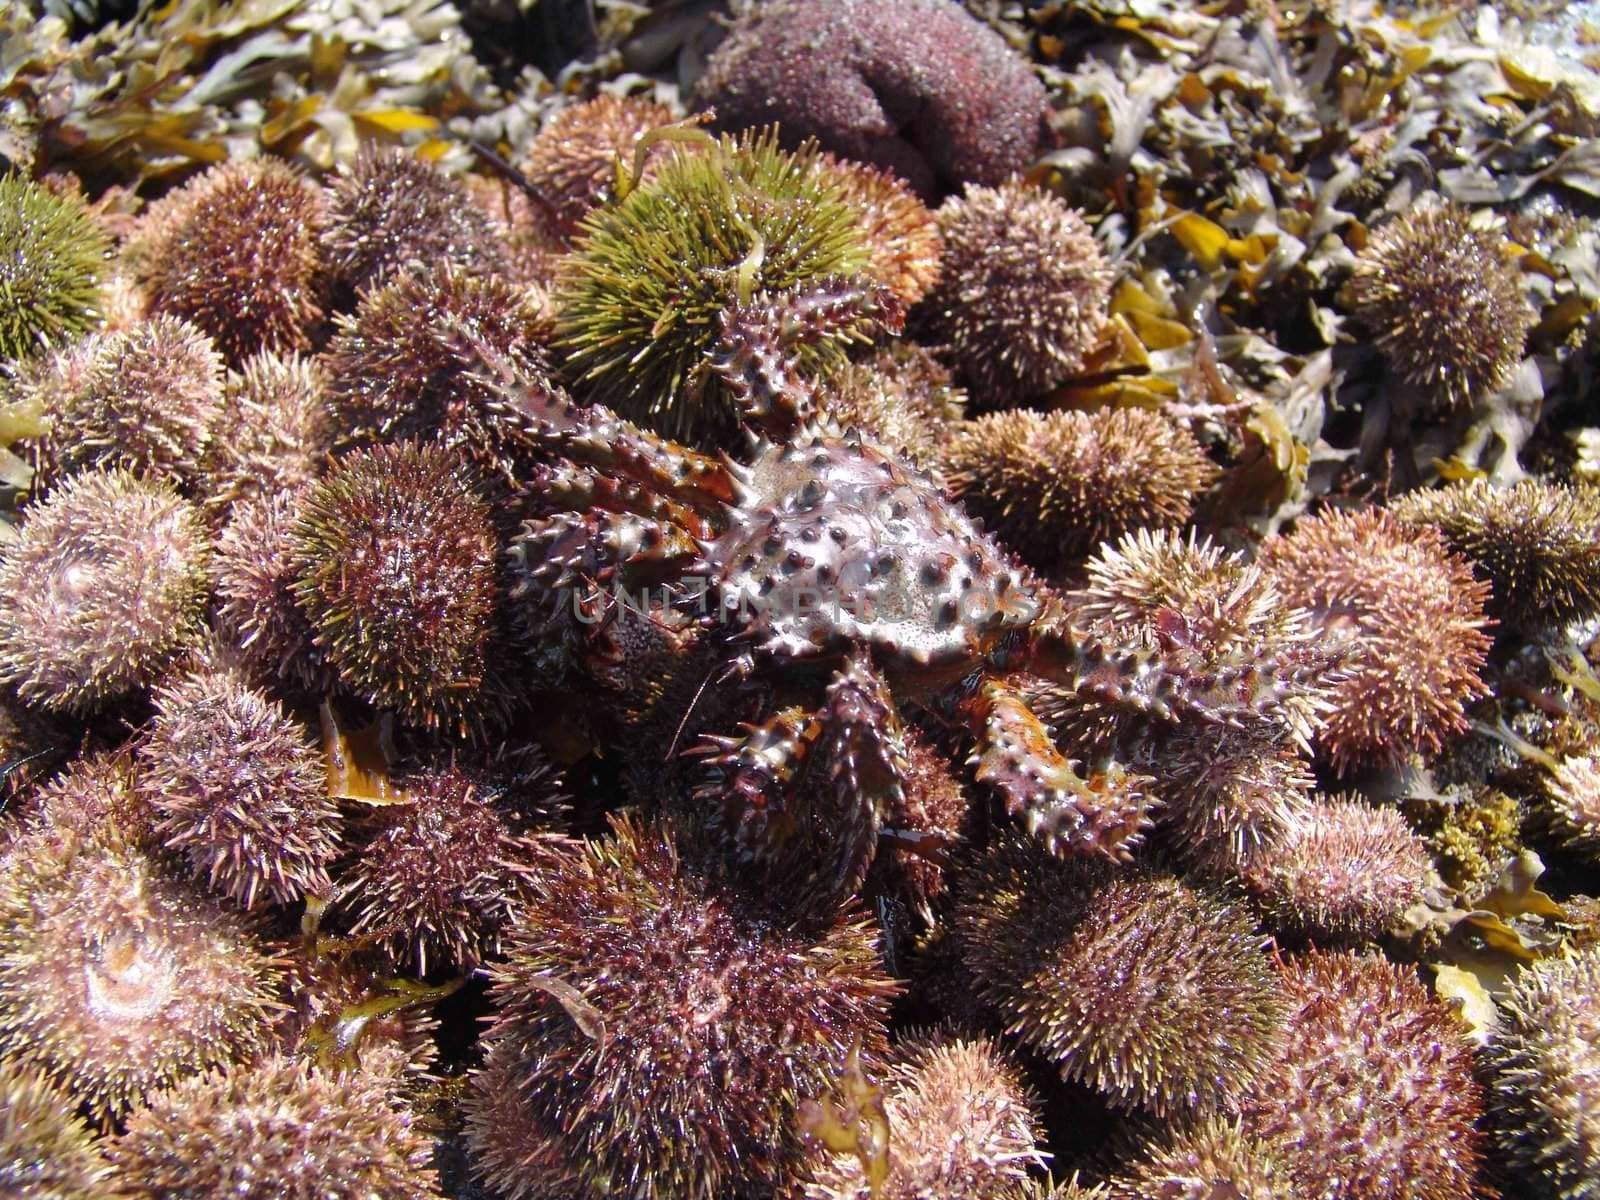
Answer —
550 422
812 788
1102 812
756 351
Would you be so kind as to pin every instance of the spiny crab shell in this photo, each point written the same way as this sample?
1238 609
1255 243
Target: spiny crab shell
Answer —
834 543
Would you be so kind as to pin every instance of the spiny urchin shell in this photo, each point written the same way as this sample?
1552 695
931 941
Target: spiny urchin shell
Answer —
239 790
1210 1159
398 367
961 1127
144 399
277 1130
256 570
1372 1096
52 264
1054 486
573 160
274 432
1572 791
396 566
902 235
646 288
434 879
1546 1060
389 208
1538 544
96 796
666 1030
237 251
915 86
103 587
1022 294
46 1152
1409 618
116 980
1445 303
901 396
1346 869
1157 995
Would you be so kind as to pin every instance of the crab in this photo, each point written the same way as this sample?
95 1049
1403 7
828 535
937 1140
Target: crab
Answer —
835 588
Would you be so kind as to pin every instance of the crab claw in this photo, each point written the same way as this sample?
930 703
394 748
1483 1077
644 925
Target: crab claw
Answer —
1101 813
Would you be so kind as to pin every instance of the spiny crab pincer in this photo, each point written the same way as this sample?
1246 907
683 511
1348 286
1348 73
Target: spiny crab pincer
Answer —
812 596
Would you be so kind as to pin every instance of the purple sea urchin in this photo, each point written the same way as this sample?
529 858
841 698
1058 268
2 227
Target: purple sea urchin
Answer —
396 573
104 586
397 369
901 396
1409 617
961 1126
1537 543
1372 1096
239 790
1157 995
915 86
1445 303
665 1030
145 399
1054 486
256 569
46 1152
434 879
115 980
1546 1060
237 252
274 432
1022 295
1211 1159
573 160
277 1130
389 208
1346 869
52 264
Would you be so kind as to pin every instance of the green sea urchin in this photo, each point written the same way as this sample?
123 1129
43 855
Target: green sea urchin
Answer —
52 266
652 276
